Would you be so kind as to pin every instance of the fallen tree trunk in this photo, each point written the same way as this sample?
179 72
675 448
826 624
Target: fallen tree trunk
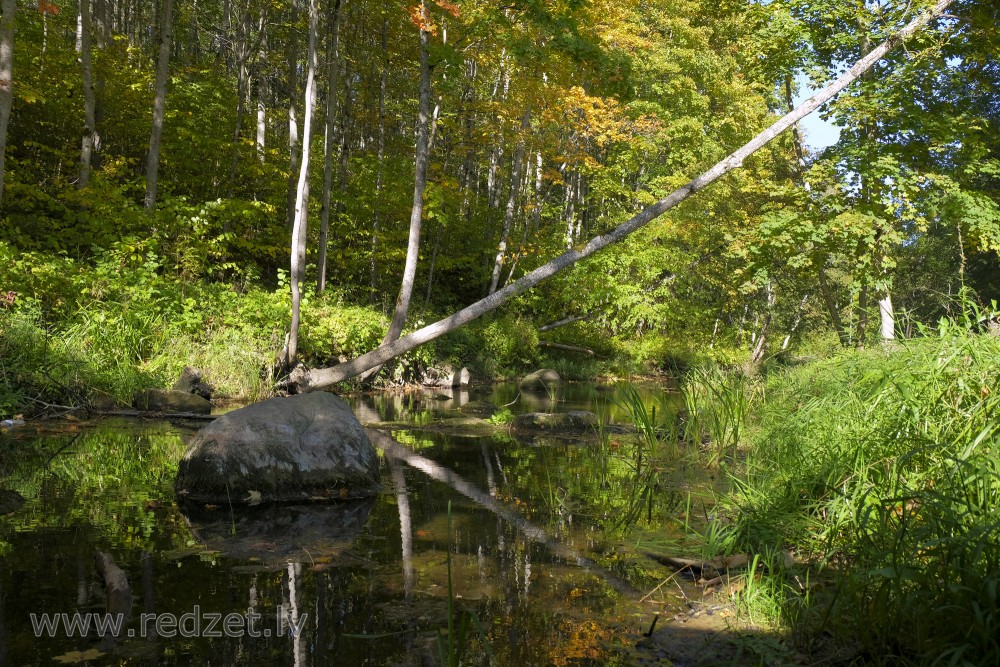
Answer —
563 322
571 348
321 378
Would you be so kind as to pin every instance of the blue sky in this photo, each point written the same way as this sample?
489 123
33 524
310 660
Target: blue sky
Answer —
818 133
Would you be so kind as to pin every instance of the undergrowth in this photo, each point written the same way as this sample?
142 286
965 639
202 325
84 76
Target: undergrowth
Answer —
869 502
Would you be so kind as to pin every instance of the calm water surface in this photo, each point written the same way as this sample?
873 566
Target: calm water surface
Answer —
537 550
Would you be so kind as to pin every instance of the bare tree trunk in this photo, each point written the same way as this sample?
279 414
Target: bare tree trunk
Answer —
321 378
6 79
293 127
888 320
379 175
760 348
89 124
333 69
159 106
298 264
508 219
419 184
262 90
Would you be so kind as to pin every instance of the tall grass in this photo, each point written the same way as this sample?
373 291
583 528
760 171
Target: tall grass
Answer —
881 473
717 403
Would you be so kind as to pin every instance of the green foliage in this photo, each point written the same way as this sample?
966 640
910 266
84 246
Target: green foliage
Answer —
878 470
510 344
717 406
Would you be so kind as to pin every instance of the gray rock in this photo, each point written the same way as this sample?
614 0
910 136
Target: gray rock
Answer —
543 379
102 401
577 421
301 448
168 400
192 381
10 501
481 409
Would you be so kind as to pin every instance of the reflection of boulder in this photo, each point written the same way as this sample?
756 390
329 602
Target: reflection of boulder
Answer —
168 400
295 449
577 421
279 533
545 379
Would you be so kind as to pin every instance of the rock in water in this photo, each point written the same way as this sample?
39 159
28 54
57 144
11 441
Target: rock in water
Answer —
295 449
192 381
167 400
576 421
543 379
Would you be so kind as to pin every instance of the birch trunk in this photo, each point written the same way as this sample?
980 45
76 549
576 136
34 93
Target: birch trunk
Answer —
298 263
888 319
333 69
417 210
6 79
89 122
508 218
159 106
293 123
322 378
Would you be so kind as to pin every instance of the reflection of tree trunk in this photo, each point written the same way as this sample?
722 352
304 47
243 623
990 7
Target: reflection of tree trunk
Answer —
491 482
149 605
294 604
405 525
393 449
320 650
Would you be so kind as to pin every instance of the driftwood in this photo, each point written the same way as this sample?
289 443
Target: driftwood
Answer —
571 348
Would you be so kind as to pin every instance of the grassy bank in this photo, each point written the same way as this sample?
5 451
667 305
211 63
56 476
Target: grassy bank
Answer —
869 498
125 318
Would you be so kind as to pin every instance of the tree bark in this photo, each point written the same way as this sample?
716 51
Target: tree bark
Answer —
6 79
159 106
333 69
888 320
293 127
261 139
380 158
417 210
89 122
298 263
321 378
508 218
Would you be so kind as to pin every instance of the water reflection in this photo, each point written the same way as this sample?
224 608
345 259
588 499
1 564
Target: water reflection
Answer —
529 546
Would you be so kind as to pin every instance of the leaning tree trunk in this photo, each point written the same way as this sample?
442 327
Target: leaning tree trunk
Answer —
89 118
159 106
419 184
298 263
322 378
293 126
6 78
333 69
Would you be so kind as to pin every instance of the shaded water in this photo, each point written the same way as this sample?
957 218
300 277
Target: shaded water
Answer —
537 549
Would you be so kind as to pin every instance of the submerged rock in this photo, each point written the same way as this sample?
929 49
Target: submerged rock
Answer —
576 421
543 379
168 400
480 409
301 448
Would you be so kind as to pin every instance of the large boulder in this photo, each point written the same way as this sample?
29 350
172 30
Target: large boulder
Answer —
168 400
301 448
544 379
576 421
